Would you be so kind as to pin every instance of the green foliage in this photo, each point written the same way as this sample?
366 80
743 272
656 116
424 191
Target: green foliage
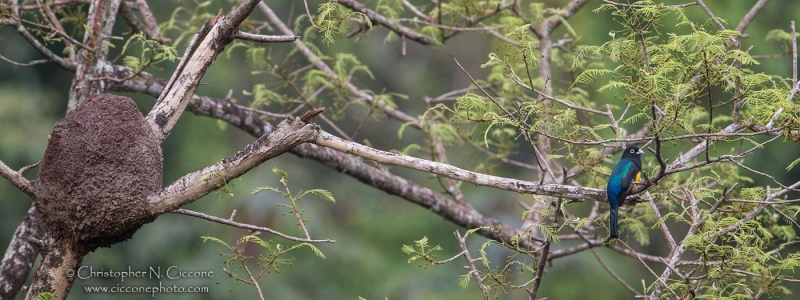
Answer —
292 206
44 296
422 250
187 20
678 84
333 21
322 194
236 265
152 53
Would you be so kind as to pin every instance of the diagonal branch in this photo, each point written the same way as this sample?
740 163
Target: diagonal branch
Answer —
210 41
462 241
346 84
751 15
197 184
240 117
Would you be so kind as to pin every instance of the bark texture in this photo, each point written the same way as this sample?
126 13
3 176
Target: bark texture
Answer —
57 271
20 255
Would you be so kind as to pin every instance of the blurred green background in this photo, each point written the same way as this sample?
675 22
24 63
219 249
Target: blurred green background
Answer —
369 225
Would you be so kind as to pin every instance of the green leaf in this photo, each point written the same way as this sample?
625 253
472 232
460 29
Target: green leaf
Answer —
322 194
132 62
213 239
791 165
44 296
280 172
464 281
255 57
313 248
266 188
252 238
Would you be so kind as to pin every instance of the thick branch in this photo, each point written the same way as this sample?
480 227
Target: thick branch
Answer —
359 169
102 16
514 185
57 270
265 38
212 39
194 185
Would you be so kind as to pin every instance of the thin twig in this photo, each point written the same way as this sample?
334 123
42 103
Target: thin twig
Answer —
463 243
246 226
254 281
614 274
16 179
441 262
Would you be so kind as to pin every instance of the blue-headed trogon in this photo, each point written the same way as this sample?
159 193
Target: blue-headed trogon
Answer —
624 174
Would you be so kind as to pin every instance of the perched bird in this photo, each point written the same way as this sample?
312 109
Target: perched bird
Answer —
624 174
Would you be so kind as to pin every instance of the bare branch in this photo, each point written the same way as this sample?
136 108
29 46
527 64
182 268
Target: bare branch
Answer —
254 281
794 52
348 86
643 6
545 30
710 14
212 39
665 233
49 55
16 179
441 262
519 186
463 243
194 185
614 274
265 38
149 28
751 15
386 22
230 222
27 64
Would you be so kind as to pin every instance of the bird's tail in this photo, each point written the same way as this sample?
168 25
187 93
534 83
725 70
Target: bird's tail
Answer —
612 218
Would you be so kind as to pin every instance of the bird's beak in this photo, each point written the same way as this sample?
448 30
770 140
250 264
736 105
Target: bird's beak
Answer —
640 151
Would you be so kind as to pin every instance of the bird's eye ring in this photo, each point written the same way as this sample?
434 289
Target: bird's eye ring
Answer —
632 151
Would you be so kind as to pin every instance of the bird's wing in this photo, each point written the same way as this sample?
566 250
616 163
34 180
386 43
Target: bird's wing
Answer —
631 176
